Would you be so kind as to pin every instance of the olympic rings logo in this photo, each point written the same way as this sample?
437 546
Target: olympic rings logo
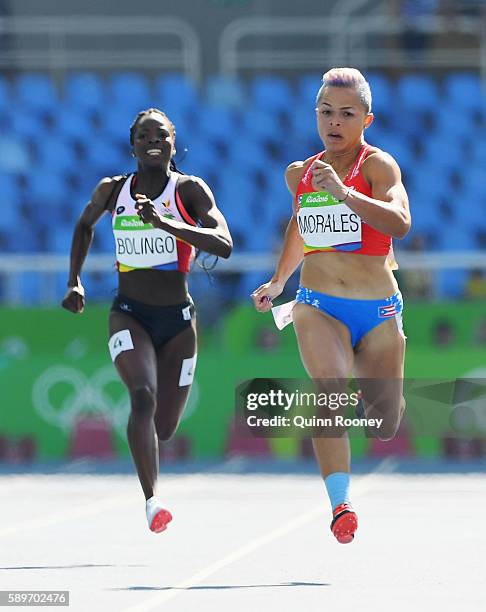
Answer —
62 393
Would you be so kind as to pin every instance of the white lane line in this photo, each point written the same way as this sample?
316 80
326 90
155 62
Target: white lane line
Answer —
364 484
92 509
65 515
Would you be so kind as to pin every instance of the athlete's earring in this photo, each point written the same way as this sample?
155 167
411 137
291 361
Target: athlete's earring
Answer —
132 153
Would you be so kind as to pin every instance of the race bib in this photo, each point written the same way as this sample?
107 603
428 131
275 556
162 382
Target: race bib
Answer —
324 221
140 245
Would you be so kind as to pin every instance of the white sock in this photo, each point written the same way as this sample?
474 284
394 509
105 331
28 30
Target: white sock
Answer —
153 506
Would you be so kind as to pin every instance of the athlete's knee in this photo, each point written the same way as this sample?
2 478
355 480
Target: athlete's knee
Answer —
392 420
387 433
143 401
384 418
166 429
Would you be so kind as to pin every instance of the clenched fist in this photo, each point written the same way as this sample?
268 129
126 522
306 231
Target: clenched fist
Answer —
74 300
324 178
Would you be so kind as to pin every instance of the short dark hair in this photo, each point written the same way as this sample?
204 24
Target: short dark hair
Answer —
143 114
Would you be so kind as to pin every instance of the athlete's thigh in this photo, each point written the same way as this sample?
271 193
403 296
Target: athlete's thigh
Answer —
379 368
381 352
136 362
176 362
324 343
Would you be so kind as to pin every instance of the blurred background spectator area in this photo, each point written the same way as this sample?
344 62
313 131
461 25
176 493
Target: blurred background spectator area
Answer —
240 90
241 94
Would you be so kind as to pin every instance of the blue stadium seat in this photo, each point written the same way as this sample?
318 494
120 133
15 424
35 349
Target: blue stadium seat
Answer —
261 125
452 124
464 89
442 153
272 93
175 93
85 91
471 201
455 237
375 131
425 212
276 197
247 154
469 209
116 124
59 241
103 238
28 243
54 152
236 196
36 92
23 123
307 89
213 122
225 92
73 124
300 148
46 191
11 198
15 155
303 123
131 91
426 180
259 236
383 96
109 159
198 166
398 148
478 147
86 182
73 206
201 154
418 93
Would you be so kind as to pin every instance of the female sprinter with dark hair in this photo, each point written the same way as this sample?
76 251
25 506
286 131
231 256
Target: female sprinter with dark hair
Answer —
349 201
158 216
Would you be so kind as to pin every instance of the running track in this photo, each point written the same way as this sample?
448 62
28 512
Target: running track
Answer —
248 536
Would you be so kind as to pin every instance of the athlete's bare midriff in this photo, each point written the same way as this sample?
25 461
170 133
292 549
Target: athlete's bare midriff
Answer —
348 275
154 287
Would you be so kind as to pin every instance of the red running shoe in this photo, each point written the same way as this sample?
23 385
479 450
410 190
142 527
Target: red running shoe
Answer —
158 517
344 523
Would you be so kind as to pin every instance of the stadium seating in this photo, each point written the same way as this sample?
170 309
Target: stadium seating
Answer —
239 135
85 91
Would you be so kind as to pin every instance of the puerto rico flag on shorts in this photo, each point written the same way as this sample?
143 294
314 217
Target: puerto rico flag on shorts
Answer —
388 311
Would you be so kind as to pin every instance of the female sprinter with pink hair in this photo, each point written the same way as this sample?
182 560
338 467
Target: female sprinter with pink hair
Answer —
347 312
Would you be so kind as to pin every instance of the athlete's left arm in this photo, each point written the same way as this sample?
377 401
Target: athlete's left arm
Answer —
388 210
212 236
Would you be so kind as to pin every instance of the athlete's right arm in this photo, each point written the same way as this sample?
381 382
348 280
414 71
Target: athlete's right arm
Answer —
74 299
292 251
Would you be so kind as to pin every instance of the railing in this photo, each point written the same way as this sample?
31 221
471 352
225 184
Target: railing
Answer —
11 266
342 40
242 262
59 44
150 43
